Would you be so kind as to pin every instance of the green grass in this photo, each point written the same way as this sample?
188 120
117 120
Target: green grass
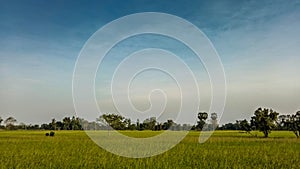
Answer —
74 149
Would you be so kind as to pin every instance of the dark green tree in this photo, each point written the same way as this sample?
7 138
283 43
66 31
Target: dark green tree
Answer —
138 125
230 126
75 124
244 125
10 122
152 123
115 121
45 127
67 123
149 124
128 124
202 116
146 124
264 120
293 123
281 122
53 124
167 125
59 125
158 126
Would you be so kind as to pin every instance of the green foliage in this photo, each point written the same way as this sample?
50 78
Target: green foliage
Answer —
264 120
292 122
119 122
66 124
230 126
149 124
168 124
51 133
115 121
10 123
202 116
244 125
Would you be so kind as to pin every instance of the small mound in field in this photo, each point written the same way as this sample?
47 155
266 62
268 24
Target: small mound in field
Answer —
52 133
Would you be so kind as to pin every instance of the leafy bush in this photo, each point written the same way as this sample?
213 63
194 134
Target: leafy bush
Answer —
52 133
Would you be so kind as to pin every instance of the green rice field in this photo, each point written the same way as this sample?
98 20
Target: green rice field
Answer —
225 149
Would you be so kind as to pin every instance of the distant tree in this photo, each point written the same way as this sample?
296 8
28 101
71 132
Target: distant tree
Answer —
177 127
59 125
93 126
75 124
230 126
146 124
130 126
67 123
214 120
22 126
167 125
34 127
1 120
244 125
158 126
149 124
53 124
186 127
193 127
281 122
45 127
115 121
138 127
141 126
202 116
84 123
9 122
293 123
152 123
264 120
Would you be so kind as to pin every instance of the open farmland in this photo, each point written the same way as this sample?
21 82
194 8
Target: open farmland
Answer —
225 149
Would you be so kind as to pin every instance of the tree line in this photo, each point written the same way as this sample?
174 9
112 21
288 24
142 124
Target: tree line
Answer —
67 123
264 120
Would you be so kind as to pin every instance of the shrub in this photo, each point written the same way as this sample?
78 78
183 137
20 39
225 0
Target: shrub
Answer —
52 133
47 134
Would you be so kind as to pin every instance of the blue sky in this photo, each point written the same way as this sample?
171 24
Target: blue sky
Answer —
258 43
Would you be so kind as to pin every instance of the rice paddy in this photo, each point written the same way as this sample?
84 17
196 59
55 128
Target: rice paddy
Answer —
225 149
